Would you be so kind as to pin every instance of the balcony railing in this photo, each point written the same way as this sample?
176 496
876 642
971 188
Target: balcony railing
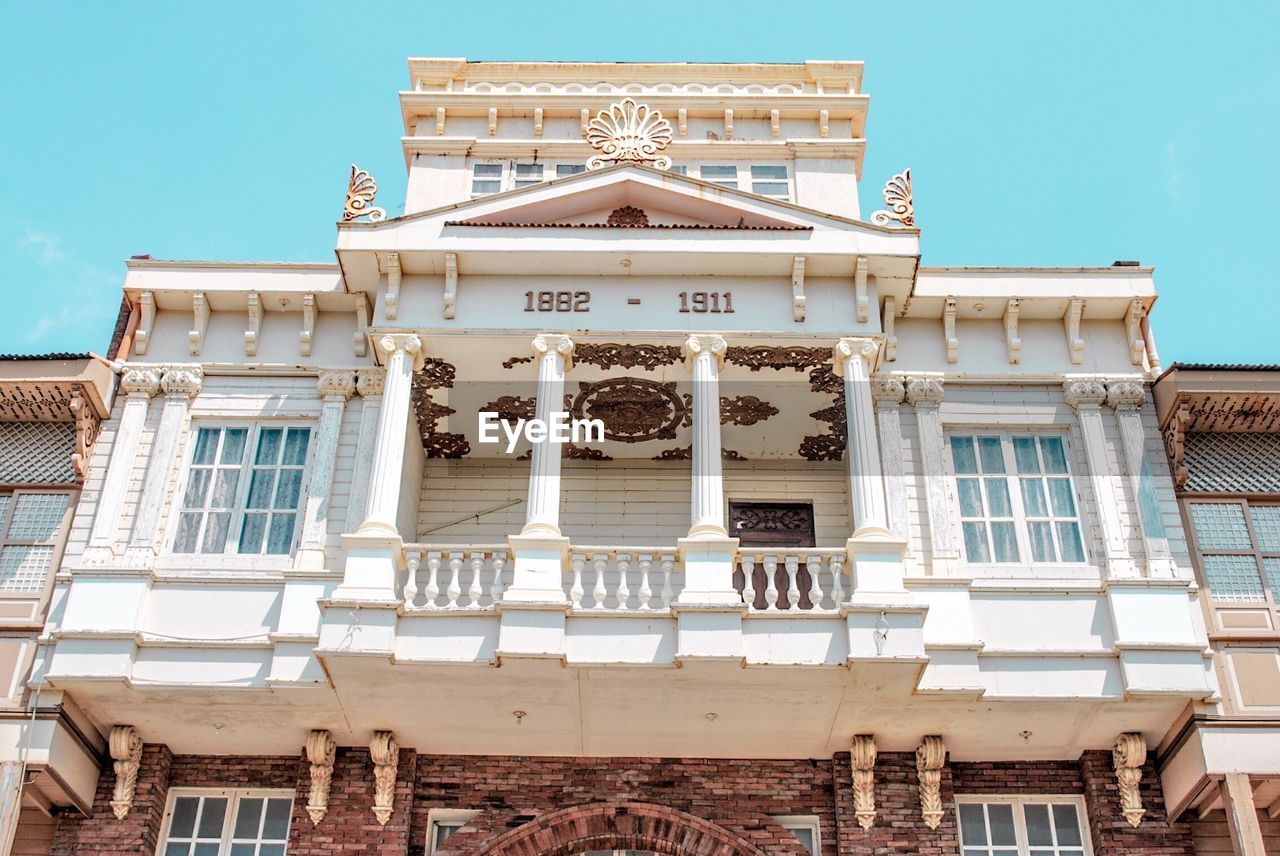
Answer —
791 580
449 577
622 579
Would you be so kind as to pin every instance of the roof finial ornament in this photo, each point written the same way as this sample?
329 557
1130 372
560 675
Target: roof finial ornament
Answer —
360 193
897 197
628 132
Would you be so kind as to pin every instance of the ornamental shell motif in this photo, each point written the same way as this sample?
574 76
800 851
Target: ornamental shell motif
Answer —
897 198
360 193
629 133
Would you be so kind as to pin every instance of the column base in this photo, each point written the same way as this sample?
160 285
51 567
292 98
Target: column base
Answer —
708 572
877 569
537 576
373 562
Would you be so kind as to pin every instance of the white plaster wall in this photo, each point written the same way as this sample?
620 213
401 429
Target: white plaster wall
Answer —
827 184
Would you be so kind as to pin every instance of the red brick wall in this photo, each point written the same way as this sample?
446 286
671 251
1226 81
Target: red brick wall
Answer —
137 833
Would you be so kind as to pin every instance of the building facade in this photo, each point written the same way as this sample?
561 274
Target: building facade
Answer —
1222 431
851 555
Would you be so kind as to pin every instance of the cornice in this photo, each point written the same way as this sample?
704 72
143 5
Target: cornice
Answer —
580 149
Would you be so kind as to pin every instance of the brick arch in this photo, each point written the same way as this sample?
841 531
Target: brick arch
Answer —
619 826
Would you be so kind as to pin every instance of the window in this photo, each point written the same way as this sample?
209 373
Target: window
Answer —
1239 546
770 180
726 175
1016 499
243 490
528 174
31 523
226 823
486 178
679 169
806 829
444 822
564 169
1021 826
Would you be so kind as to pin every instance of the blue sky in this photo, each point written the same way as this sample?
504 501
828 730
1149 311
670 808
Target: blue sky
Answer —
1041 134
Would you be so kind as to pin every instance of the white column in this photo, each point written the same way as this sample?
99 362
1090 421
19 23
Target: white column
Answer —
887 392
138 385
369 385
853 361
1086 395
335 388
1242 815
402 355
554 353
705 354
1127 396
180 384
924 392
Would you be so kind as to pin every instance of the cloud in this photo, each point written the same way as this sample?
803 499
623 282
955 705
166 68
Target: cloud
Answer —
76 294
45 247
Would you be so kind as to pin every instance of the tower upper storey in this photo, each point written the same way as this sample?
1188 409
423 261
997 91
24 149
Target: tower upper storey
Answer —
791 131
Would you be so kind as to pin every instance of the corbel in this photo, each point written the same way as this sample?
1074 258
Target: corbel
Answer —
890 338
775 123
1011 340
860 289
125 745
537 121
682 121
1175 434
322 749
87 426
361 337
824 118
392 264
584 120
931 757
1071 322
385 753
798 299
440 121
728 123
146 323
308 324
252 332
1133 331
450 284
493 121
863 759
200 312
949 330
1128 756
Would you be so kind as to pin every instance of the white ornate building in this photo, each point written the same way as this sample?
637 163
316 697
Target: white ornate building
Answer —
893 542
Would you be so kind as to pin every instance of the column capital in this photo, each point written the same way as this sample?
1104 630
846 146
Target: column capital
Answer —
371 382
140 381
849 348
554 343
336 384
925 390
182 381
887 390
1126 393
1084 391
389 344
705 343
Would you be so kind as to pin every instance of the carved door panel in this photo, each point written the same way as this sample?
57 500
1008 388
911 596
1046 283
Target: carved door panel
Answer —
772 524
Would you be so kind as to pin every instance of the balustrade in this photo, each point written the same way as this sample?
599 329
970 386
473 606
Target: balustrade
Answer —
452 577
621 579
796 580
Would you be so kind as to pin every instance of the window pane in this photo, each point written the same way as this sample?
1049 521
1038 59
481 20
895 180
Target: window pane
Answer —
529 170
206 445
1055 457
205 850
1064 504
973 826
215 532
769 188
252 532
212 815
1042 549
295 447
288 489
260 488
268 446
233 445
277 826
177 848
719 173
1033 498
223 494
1266 526
243 849
680 169
805 837
1220 526
768 171
488 170
1024 450
248 818
1272 566
998 498
1001 818
1038 832
188 533
184 817
197 489
970 497
1233 578
271 850
281 537
563 169
37 516
975 542
486 186
962 455
24 568
1006 542
1067 823
992 454
1072 546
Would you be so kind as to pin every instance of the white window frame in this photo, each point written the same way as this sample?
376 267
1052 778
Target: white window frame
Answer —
438 817
1012 478
58 541
518 181
1019 819
233 795
232 546
722 181
785 182
811 822
503 171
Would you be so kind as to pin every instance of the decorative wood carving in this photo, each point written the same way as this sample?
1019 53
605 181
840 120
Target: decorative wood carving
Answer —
1175 443
361 190
830 445
359 338
822 447
512 407
863 759
686 454
757 357
1133 331
308 324
610 354
582 453
200 315
512 362
633 409
1071 323
385 753
88 425
443 444
628 132
336 383
931 757
146 323
772 518
255 325
745 410
440 117
537 121
1128 756
125 745
182 381
898 201
628 215
1126 393
798 299
493 121
435 374
322 749
775 124
1084 392
728 124
371 382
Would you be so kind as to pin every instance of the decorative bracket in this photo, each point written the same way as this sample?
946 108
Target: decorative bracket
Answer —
584 121
87 426
728 124
863 758
361 337
537 121
890 338
322 749
255 325
125 745
200 312
1071 322
1128 756
450 284
949 330
628 132
392 263
824 123
682 121
440 121
1175 433
1133 331
361 191
1011 339
798 299
860 289
142 336
931 757
775 124
385 752
900 206
308 324
493 121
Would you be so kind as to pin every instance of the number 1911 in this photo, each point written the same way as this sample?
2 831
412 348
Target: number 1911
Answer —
706 301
